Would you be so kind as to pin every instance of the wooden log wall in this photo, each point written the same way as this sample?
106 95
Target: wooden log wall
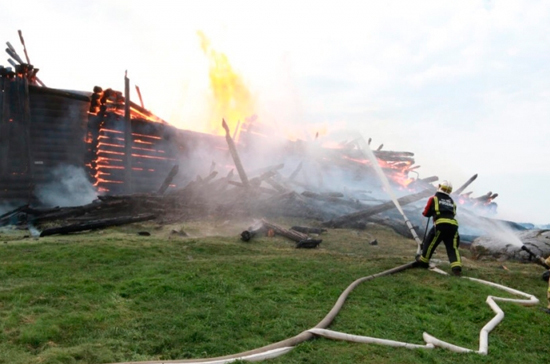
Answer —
41 128
153 154
57 130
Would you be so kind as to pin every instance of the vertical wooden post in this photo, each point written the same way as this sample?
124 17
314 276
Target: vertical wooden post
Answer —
128 140
4 89
26 113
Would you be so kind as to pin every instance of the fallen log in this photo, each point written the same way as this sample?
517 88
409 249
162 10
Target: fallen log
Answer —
59 213
459 190
295 173
308 230
96 224
302 240
252 232
235 155
290 234
342 220
168 179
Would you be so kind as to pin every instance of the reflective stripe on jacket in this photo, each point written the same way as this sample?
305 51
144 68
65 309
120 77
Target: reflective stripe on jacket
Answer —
443 209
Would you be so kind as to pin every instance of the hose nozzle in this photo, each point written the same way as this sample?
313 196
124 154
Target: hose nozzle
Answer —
531 254
537 258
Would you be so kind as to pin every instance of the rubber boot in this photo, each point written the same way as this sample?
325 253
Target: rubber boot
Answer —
419 264
457 271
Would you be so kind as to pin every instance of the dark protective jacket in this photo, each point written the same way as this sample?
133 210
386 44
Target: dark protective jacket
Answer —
547 261
442 208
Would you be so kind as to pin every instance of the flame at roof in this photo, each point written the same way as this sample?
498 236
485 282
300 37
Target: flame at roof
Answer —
231 98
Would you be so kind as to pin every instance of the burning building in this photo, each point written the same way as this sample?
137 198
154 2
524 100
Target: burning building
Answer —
124 147
121 148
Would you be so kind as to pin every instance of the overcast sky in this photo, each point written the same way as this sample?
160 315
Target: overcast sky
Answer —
462 84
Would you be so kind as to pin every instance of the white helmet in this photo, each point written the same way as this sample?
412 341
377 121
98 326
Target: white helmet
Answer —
445 187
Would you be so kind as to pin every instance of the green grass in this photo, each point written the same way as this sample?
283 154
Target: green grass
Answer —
112 296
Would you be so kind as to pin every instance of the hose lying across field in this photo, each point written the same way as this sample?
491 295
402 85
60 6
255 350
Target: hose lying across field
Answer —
284 346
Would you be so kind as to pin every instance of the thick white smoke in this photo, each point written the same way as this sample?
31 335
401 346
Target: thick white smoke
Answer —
69 187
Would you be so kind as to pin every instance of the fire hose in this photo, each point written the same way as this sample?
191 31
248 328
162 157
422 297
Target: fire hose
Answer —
284 346
537 258
421 247
365 148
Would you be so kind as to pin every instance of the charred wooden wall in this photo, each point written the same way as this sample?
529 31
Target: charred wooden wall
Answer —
152 156
57 130
41 128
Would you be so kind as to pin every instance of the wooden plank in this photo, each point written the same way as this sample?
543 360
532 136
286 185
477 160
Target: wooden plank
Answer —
342 220
235 155
97 224
459 190
4 142
127 136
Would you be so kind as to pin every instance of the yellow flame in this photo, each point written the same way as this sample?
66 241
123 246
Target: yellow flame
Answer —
231 98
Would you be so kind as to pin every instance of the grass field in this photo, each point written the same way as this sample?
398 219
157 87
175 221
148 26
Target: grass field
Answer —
115 296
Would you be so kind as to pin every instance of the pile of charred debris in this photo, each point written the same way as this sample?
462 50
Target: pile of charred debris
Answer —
264 195
140 167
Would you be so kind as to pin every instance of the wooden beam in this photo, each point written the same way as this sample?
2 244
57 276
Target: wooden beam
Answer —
168 179
342 220
96 224
4 126
459 190
128 139
235 155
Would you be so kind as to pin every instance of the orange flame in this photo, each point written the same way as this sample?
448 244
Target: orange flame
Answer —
232 99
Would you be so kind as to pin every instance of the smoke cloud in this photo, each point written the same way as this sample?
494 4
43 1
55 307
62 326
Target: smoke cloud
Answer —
500 232
69 187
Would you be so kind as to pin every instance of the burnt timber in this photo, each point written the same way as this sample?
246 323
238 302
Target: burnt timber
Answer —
43 128
127 150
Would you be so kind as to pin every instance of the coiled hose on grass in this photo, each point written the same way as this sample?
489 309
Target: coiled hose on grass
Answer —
284 346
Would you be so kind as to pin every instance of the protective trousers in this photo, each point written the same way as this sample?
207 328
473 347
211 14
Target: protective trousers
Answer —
448 233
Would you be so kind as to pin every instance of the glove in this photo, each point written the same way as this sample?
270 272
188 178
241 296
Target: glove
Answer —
542 262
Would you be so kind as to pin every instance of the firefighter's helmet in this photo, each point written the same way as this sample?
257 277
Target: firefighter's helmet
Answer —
445 187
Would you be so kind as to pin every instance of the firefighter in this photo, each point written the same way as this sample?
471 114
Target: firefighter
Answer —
546 275
546 264
442 209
